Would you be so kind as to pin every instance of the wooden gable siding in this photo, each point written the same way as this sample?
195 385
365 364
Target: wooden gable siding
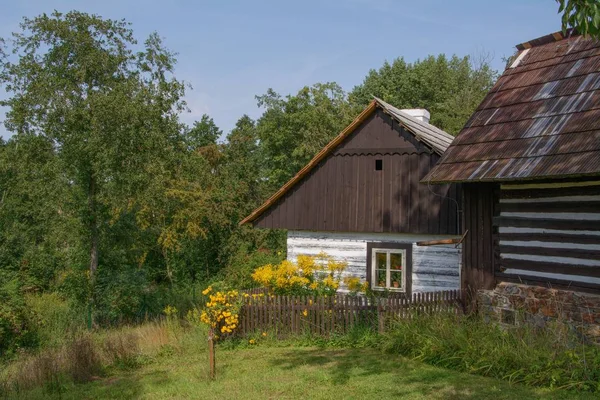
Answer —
549 234
346 193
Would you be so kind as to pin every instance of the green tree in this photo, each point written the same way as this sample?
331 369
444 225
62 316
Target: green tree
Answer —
294 128
583 15
109 113
450 89
203 133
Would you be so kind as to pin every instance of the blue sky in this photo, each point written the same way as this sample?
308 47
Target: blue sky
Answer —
230 51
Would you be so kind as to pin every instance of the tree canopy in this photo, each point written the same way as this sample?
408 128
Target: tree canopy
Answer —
449 88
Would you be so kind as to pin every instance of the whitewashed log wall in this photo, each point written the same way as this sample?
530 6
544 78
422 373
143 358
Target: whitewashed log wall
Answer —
550 232
433 267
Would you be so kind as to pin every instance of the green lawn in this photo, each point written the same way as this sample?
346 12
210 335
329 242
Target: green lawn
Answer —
295 373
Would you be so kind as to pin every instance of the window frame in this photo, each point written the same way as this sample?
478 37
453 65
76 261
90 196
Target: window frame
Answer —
390 247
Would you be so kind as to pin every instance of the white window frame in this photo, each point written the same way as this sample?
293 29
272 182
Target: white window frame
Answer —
388 271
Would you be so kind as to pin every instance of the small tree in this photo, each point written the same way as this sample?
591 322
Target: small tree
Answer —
221 315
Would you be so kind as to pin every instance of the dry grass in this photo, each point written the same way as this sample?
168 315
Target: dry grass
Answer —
84 357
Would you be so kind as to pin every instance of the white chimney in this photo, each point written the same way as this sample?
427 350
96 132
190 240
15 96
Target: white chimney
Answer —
419 113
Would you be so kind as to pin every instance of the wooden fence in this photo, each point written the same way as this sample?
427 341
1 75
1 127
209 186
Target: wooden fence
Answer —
323 315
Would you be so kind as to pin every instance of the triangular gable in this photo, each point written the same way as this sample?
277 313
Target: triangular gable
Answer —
434 138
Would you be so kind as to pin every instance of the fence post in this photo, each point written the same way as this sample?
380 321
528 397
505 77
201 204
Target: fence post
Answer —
211 353
380 318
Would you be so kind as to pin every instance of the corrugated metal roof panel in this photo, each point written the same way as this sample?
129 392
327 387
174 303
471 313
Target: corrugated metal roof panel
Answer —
431 135
541 119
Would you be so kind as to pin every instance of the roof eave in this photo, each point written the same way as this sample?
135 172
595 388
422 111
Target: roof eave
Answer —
433 181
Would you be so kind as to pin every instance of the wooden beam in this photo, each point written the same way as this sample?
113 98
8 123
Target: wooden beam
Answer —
562 224
548 267
439 242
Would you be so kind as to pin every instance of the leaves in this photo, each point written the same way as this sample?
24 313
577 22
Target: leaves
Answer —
450 89
581 15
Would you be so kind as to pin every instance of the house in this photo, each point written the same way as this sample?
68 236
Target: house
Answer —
359 200
528 161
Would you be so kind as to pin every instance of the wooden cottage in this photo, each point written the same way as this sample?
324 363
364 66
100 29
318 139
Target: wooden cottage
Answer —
528 161
359 200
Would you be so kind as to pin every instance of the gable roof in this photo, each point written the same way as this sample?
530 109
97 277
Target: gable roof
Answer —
434 138
540 120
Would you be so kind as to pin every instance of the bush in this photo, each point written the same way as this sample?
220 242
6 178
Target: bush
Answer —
55 318
238 273
551 357
320 275
17 321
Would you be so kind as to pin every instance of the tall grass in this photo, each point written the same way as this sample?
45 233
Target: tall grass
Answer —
84 356
554 356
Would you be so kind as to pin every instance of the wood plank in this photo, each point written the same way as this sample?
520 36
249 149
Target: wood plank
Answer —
553 268
549 237
562 224
551 252
552 192
549 282
562 207
439 242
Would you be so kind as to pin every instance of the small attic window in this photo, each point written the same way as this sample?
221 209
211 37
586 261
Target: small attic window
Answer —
378 165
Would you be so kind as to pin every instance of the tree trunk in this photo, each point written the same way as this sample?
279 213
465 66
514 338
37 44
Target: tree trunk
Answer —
93 229
93 226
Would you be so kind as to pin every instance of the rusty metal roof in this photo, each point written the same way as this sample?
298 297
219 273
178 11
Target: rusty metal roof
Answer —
436 138
540 120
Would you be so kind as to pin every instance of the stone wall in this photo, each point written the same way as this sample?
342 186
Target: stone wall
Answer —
512 304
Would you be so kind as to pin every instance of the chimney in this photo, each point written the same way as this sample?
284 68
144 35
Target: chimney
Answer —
419 113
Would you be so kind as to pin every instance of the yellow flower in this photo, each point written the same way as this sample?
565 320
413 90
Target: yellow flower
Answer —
207 290
264 334
252 341
305 313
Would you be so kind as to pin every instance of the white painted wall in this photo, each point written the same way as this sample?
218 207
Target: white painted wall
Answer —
434 267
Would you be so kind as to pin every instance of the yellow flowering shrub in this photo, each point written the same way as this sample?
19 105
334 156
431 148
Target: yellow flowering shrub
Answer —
320 275
355 285
221 313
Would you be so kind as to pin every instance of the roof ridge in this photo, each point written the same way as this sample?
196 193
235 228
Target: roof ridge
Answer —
550 38
436 138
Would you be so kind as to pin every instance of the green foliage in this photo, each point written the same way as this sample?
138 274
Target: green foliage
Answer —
55 318
238 272
450 89
204 133
551 357
582 15
17 322
294 128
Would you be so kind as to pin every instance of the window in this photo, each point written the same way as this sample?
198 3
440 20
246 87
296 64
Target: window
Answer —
378 165
388 269
389 266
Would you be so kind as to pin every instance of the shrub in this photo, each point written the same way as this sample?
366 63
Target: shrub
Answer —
17 321
55 318
551 357
239 269
320 275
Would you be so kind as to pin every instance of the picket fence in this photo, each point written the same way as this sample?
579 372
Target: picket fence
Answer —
285 315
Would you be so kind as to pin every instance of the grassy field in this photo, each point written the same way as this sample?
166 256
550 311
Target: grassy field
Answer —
263 372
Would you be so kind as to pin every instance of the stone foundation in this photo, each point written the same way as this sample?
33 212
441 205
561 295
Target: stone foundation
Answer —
513 304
